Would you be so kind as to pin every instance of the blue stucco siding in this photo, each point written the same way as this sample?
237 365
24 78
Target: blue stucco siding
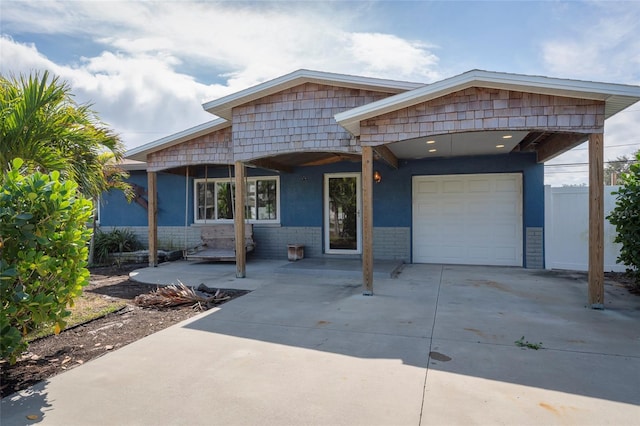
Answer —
116 211
302 191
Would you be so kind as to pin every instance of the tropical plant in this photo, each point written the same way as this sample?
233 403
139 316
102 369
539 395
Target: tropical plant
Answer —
115 241
626 218
43 252
41 123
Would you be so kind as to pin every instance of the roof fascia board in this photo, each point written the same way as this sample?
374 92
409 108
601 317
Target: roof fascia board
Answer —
222 107
133 166
351 119
140 153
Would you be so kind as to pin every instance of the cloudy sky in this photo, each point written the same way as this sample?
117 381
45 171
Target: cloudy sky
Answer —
148 66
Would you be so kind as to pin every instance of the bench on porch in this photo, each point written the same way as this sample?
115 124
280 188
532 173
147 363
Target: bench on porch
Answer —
219 242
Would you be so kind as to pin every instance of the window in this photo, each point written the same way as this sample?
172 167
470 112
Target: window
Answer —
215 198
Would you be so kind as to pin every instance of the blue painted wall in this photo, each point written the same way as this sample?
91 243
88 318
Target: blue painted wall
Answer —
301 198
302 191
115 211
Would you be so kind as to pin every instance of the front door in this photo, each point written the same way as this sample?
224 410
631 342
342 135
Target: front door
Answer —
342 223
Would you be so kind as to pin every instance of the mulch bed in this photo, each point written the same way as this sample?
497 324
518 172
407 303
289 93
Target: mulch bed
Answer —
52 355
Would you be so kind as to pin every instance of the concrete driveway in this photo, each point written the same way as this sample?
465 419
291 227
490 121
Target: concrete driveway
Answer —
434 346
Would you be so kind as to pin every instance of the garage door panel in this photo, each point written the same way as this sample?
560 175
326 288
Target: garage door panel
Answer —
468 219
453 208
479 208
428 187
505 208
452 186
479 255
503 185
479 185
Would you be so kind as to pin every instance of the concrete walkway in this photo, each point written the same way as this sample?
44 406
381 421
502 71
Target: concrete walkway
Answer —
434 346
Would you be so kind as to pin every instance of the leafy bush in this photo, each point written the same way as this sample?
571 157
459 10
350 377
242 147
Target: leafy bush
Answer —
626 218
43 253
118 240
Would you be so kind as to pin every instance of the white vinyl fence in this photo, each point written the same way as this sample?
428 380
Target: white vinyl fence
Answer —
566 232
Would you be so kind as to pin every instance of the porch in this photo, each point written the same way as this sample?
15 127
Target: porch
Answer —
222 274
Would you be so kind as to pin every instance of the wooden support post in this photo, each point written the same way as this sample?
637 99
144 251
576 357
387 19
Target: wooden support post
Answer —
367 220
152 212
596 221
238 218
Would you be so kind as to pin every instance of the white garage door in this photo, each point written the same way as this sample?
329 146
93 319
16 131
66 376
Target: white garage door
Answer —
468 219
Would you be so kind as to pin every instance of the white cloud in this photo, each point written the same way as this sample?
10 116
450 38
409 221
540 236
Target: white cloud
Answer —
141 98
391 56
608 49
135 78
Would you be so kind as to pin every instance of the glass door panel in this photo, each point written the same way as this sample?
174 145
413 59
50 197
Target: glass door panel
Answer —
342 213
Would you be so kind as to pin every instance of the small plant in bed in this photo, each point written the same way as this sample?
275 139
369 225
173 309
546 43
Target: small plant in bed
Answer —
115 241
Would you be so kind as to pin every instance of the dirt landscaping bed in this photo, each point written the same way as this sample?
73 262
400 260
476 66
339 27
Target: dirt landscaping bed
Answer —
111 286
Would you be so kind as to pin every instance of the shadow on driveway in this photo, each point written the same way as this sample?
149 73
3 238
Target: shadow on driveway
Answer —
457 319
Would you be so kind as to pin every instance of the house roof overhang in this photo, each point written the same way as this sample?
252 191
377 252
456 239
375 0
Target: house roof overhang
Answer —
140 153
616 96
223 107
132 165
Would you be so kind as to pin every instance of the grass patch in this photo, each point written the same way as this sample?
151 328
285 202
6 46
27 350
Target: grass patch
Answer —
521 343
87 307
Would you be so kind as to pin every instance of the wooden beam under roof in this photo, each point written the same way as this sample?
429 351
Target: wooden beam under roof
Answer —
269 164
557 144
331 158
531 141
386 155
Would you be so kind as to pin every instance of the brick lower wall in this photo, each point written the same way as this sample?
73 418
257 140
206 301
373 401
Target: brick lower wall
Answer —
392 243
271 241
169 237
534 248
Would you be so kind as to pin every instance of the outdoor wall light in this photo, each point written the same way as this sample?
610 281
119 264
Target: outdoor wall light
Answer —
377 177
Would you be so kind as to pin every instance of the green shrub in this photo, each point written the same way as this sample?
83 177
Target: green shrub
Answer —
43 253
118 240
626 218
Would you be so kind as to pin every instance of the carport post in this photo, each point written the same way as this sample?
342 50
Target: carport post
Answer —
238 218
152 213
367 220
596 221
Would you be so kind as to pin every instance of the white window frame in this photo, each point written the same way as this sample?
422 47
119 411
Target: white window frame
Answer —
249 180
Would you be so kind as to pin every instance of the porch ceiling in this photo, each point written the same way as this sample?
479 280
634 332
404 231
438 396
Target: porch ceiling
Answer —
286 162
457 144
546 144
